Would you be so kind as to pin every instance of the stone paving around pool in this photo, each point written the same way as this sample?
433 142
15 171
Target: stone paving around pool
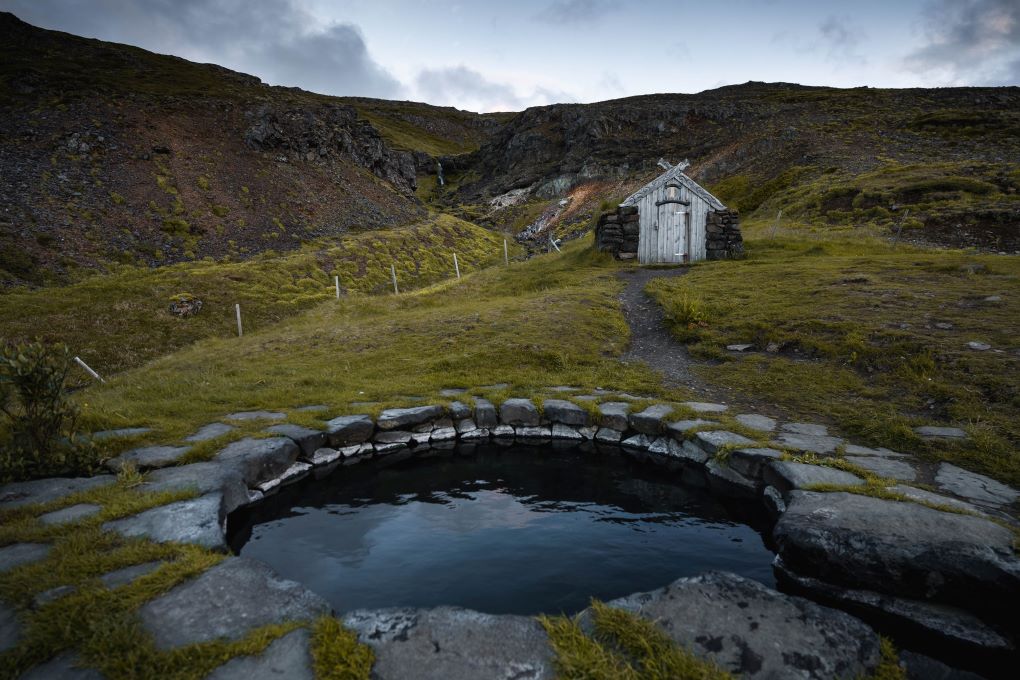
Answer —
873 533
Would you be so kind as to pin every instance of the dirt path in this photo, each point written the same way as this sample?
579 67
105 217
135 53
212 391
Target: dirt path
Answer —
650 340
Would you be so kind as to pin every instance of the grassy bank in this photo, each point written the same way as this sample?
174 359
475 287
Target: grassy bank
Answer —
121 320
867 336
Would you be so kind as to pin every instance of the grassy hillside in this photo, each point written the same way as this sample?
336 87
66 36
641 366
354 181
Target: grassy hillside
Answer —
121 320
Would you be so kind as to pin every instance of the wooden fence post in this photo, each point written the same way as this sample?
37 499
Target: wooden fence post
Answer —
336 282
506 255
393 271
456 267
237 308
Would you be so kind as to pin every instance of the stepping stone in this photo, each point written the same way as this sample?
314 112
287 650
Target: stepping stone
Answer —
122 433
587 397
197 520
202 478
51 595
449 643
614 414
313 408
70 514
63 667
452 392
713 440
286 657
518 413
820 444
978 346
227 601
935 432
256 415
10 628
705 407
682 427
210 431
399 418
757 422
885 467
19 554
18 494
347 430
806 428
788 476
565 412
122 577
923 496
855 450
650 420
148 457
496 387
563 388
699 612
363 404
974 487
907 549
307 439
257 460
485 413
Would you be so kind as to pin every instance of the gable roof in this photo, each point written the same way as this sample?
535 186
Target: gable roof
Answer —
676 174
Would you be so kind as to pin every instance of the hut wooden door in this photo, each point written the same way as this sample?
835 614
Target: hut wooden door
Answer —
673 222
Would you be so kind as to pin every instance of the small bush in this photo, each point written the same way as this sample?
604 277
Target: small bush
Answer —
39 436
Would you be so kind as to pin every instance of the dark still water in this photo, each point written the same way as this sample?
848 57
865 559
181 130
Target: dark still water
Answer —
504 530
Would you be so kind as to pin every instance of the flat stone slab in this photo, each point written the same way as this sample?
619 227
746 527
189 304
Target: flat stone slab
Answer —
614 414
122 577
806 428
66 666
755 632
680 428
855 450
751 461
400 418
713 440
923 496
287 657
565 412
121 433
203 478
18 554
210 431
788 476
757 422
608 435
706 407
518 413
903 549
257 460
10 628
449 643
17 494
885 467
565 432
811 443
973 486
72 513
197 520
940 432
347 430
256 415
148 457
312 408
52 595
227 601
650 420
307 439
452 392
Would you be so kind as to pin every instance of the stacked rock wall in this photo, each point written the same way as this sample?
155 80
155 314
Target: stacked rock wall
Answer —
723 239
617 232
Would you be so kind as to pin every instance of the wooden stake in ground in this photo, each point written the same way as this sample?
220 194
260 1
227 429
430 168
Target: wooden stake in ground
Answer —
456 267
506 254
775 227
90 371
237 308
393 271
336 280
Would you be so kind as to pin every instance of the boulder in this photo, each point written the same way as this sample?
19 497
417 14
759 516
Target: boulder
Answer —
755 632
650 420
347 430
227 601
197 520
519 413
902 549
449 643
564 412
399 418
287 657
257 460
307 439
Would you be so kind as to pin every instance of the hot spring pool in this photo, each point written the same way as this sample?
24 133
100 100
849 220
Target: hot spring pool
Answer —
523 530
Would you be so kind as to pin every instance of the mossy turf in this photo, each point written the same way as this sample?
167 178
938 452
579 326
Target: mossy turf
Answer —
869 336
121 320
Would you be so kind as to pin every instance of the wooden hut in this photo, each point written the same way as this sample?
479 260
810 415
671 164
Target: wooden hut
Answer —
670 220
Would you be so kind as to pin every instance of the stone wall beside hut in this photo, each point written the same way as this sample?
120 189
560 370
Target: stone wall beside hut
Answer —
618 231
723 240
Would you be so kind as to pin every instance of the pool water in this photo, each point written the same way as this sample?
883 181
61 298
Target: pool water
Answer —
521 530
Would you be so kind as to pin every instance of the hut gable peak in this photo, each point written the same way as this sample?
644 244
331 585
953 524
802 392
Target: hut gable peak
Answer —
675 174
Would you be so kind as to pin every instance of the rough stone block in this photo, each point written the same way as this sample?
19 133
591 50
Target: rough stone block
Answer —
713 440
197 520
348 430
485 413
398 418
307 439
565 412
751 461
614 414
257 460
519 413
650 420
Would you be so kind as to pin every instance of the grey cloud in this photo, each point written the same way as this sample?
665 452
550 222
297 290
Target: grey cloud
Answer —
840 39
276 40
974 42
576 12
466 88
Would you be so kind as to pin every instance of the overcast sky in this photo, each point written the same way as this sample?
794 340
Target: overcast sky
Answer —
490 56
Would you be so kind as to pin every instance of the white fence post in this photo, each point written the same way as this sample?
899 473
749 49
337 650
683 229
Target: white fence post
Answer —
775 227
393 271
237 308
456 267
336 281
506 255
90 371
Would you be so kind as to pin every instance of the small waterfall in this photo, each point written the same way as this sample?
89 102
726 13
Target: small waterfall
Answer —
439 173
